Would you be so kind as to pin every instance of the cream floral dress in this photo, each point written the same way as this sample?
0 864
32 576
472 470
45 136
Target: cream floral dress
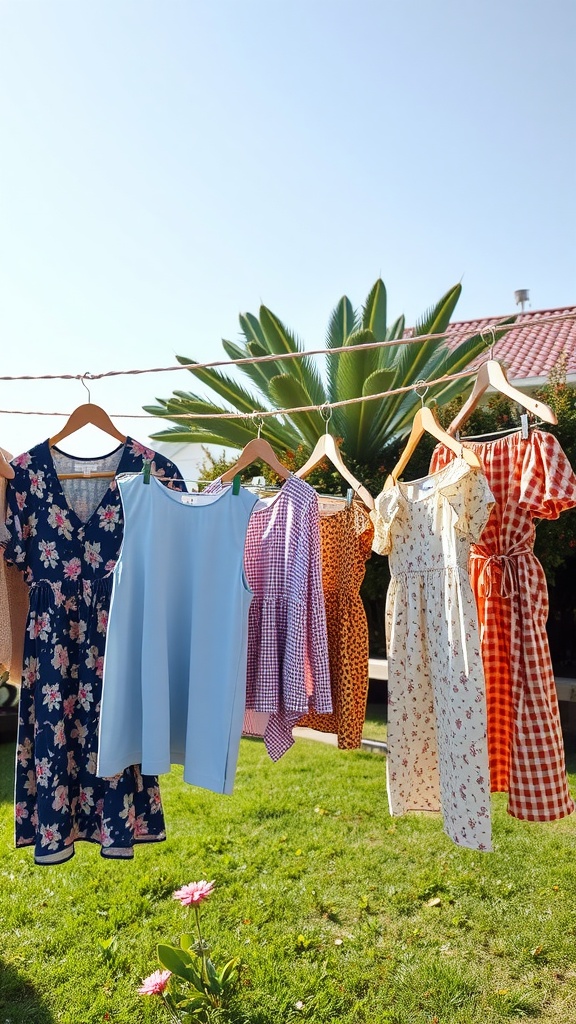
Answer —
438 756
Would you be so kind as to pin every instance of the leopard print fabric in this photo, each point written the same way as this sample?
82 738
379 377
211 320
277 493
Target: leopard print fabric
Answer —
346 544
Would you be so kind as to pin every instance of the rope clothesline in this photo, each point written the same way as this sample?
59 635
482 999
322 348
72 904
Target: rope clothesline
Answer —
257 413
463 331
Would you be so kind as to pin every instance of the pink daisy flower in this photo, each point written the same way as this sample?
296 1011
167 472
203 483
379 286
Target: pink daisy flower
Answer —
194 893
154 984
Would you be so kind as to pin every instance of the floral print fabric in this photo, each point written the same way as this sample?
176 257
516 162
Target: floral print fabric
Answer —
13 602
531 479
437 747
67 561
346 544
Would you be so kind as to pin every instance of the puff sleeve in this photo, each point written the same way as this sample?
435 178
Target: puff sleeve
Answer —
548 482
471 501
382 516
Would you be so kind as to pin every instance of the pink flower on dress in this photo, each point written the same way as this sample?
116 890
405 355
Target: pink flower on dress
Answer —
109 517
60 801
92 554
23 460
140 826
59 521
50 834
48 554
59 733
25 752
30 672
69 705
155 983
37 483
60 660
20 812
140 449
72 569
193 893
21 499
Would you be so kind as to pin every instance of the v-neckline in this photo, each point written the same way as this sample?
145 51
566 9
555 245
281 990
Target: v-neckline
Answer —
57 483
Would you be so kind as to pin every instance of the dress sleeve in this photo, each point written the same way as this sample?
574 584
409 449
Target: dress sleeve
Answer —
472 502
168 472
382 516
548 483
365 532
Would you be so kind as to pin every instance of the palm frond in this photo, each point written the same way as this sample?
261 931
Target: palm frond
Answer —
288 392
281 340
223 386
374 311
413 357
254 371
343 322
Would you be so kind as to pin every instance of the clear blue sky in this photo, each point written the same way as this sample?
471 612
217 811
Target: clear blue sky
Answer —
166 164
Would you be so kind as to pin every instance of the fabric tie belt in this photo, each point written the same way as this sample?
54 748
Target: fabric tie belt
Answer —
506 565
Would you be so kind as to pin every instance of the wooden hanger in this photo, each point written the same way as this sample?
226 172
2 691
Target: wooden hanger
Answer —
492 375
6 469
425 421
85 414
326 447
257 450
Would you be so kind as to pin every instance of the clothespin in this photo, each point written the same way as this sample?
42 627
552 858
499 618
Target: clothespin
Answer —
146 471
524 423
236 484
349 494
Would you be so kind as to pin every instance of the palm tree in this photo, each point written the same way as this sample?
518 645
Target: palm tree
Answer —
366 427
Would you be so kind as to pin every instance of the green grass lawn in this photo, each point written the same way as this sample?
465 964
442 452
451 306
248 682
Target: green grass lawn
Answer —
338 912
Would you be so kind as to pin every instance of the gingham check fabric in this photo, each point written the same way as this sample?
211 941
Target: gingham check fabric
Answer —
530 479
288 670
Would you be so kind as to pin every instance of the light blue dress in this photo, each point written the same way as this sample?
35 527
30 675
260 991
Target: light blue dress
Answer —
175 664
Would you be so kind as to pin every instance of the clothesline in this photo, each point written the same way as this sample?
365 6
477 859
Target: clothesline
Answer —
463 332
263 413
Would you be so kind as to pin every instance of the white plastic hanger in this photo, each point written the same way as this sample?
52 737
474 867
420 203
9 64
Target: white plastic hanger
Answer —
492 374
326 447
425 421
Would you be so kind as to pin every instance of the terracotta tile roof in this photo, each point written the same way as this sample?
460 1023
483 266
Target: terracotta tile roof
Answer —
526 352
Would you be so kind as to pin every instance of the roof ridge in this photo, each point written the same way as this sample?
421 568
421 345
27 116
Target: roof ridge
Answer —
527 314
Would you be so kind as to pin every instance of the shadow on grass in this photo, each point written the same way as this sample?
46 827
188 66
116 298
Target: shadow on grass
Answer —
19 1001
6 773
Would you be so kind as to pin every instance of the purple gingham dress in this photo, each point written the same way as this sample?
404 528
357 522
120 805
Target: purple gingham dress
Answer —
288 668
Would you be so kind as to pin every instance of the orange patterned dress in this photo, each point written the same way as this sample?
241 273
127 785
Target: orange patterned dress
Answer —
346 544
530 479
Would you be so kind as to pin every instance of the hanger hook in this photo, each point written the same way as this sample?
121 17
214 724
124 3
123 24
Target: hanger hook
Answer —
421 388
83 379
258 421
325 411
492 333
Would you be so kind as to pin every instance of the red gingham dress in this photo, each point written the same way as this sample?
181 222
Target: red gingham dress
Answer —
530 479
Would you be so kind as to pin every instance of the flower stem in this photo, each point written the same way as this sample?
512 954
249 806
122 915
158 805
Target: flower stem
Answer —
202 950
170 1011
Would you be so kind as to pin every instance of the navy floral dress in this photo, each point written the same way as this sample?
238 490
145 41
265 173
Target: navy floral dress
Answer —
65 537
